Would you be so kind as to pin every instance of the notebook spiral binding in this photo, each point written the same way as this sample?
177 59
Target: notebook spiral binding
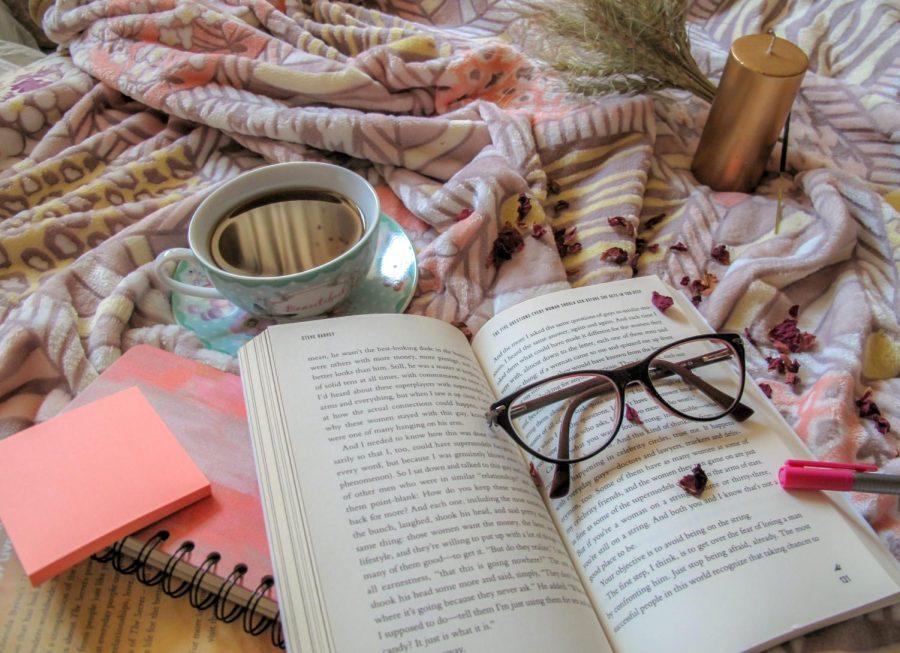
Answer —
225 610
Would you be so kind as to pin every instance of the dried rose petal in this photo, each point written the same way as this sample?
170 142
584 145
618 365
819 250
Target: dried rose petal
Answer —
508 242
615 255
685 280
537 230
634 258
565 241
866 406
655 220
462 326
749 338
721 254
807 341
794 310
679 247
620 222
695 482
524 207
766 389
465 213
785 365
653 248
632 415
787 335
662 302
868 409
535 476
561 205
780 347
696 299
633 261
552 186
790 364
705 285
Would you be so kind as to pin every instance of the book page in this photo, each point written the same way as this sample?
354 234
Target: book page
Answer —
92 607
426 531
663 564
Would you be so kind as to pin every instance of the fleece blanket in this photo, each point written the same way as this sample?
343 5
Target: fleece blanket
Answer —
508 187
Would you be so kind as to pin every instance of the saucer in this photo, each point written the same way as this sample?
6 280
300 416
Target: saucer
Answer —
387 288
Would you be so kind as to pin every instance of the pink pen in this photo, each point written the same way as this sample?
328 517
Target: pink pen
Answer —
821 475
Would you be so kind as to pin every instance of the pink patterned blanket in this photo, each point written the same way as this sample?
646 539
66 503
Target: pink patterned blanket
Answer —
108 146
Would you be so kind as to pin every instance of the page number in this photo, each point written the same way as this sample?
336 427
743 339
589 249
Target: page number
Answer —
844 578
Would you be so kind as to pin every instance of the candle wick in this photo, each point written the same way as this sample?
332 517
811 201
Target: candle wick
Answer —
772 42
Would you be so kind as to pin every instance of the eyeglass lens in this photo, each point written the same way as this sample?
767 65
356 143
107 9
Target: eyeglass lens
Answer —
700 378
582 409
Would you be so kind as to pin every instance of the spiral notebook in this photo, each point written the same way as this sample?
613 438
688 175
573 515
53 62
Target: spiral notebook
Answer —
213 552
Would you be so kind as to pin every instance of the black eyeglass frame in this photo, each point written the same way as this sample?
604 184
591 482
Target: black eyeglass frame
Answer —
623 376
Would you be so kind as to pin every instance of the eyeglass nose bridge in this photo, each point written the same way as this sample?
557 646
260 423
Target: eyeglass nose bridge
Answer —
630 375
626 375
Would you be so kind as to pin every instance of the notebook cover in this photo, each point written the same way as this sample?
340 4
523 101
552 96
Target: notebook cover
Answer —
204 408
84 479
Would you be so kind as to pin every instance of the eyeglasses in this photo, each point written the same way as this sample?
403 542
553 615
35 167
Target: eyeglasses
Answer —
568 418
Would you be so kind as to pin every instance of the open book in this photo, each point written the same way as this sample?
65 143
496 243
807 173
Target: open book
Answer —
399 520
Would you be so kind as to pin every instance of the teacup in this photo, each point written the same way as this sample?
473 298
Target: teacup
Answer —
266 265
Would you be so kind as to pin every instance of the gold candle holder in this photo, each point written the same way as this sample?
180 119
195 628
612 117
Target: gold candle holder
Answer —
758 86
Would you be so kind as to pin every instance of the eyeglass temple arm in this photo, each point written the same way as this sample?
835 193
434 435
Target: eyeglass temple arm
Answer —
559 486
740 412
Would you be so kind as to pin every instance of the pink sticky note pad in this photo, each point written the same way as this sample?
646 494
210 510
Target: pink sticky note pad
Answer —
77 483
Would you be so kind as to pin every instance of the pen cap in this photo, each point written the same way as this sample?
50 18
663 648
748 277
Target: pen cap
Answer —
805 478
807 475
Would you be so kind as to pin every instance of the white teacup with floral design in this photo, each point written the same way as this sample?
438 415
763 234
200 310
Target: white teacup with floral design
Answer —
323 280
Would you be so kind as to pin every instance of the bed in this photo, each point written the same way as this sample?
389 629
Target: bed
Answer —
109 143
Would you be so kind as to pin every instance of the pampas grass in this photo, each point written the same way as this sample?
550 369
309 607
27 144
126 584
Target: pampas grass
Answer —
624 46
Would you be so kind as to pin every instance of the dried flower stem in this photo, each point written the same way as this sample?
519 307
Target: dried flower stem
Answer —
623 46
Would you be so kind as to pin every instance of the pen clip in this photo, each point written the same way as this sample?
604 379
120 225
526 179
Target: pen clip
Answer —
856 467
